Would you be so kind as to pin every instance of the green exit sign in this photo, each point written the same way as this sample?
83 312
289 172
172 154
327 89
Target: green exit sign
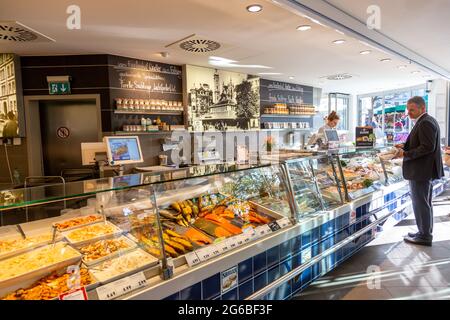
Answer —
59 87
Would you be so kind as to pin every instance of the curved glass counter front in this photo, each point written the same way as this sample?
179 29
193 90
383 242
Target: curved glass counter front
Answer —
98 231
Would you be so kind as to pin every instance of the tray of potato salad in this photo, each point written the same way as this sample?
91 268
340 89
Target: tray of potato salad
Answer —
93 232
37 262
123 265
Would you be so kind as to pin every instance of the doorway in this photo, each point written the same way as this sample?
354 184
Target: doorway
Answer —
56 126
64 126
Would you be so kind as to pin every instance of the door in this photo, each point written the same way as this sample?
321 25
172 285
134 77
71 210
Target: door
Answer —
64 126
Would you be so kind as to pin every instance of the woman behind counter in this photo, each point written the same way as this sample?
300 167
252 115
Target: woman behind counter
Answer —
332 120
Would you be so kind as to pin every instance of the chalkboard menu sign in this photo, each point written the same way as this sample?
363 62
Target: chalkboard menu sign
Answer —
364 137
282 92
157 80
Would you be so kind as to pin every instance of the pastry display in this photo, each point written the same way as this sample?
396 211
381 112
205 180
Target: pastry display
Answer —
8 247
130 261
77 222
49 287
36 259
92 232
104 248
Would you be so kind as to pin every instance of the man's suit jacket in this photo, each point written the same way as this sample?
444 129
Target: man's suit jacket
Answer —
422 157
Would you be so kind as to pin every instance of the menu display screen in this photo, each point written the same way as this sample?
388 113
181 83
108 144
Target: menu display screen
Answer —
124 149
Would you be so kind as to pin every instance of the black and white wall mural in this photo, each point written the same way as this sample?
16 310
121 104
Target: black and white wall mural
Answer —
222 100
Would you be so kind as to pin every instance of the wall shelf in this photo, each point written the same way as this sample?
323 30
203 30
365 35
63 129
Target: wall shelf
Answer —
155 112
294 116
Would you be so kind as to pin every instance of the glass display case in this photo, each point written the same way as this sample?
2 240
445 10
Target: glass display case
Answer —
53 241
88 234
202 211
314 184
362 170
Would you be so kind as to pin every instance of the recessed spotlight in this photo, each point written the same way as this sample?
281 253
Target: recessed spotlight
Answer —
402 67
339 41
415 72
291 78
365 52
303 27
386 60
254 8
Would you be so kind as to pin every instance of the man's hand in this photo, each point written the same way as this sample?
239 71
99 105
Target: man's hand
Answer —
400 154
400 146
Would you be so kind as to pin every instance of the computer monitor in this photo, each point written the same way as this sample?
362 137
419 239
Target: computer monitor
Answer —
89 151
123 150
331 135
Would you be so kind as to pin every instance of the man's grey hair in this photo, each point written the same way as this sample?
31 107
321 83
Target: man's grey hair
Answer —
419 101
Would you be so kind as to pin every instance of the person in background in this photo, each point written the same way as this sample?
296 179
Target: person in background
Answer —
11 126
422 163
332 120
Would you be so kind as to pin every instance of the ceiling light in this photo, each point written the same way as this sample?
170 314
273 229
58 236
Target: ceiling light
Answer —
415 72
386 60
365 52
254 8
291 78
338 31
402 67
339 41
303 27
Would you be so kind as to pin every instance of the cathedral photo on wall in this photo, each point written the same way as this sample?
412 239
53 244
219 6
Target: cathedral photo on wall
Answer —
222 100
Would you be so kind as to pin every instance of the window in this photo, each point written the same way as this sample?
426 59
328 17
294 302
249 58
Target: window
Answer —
340 102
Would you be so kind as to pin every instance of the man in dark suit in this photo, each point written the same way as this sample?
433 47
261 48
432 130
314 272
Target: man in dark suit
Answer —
422 163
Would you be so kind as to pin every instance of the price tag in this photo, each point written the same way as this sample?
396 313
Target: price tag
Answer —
192 259
223 246
232 243
284 222
274 226
239 240
122 286
206 253
78 294
262 231
246 238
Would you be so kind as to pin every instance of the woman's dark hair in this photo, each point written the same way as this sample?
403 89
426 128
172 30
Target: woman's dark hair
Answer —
333 116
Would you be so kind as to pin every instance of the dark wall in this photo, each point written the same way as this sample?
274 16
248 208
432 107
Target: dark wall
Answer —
89 75
112 77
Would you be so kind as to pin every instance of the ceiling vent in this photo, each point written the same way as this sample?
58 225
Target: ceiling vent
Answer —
196 44
340 76
199 45
13 31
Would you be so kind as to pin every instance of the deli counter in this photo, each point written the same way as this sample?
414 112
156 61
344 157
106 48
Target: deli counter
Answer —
227 231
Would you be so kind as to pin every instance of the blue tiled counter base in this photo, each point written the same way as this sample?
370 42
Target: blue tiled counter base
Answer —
258 271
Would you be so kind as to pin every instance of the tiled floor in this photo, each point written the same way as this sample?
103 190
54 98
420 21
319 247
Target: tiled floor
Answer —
388 268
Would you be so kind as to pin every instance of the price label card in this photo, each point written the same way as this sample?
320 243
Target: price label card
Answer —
284 222
246 238
122 286
192 259
107 292
274 226
223 246
262 231
206 253
239 240
78 294
232 243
